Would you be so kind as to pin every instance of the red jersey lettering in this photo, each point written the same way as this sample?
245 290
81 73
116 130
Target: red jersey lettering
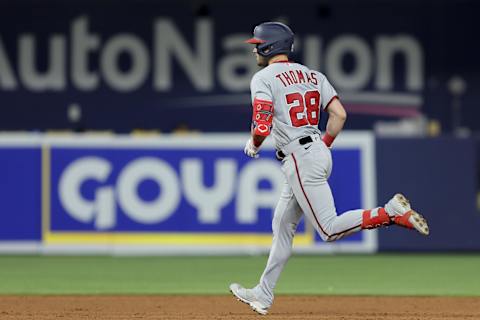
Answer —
279 76
300 76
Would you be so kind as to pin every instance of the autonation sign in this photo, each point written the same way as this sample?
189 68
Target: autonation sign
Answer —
71 55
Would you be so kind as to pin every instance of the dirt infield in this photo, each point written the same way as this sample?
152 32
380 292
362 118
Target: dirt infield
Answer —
226 307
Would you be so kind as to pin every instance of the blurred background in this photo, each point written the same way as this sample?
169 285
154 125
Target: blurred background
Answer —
123 122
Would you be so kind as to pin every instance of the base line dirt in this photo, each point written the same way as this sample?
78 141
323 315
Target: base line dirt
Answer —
73 307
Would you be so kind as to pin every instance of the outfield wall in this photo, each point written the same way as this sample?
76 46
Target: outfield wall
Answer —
194 194
440 178
199 194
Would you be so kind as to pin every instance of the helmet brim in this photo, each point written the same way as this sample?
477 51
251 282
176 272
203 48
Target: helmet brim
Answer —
255 41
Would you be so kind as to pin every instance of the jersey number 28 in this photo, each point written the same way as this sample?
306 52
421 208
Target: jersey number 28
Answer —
310 100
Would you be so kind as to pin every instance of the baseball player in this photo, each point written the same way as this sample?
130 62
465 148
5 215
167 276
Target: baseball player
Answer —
287 99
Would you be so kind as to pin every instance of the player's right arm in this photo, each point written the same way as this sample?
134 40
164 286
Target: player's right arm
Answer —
262 115
336 119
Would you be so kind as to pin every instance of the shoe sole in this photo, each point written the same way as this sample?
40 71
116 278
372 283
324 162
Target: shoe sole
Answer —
403 200
252 305
419 223
416 219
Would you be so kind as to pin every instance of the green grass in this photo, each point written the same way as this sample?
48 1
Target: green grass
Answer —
453 275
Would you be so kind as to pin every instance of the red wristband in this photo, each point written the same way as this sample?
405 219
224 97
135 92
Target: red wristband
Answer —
256 143
328 139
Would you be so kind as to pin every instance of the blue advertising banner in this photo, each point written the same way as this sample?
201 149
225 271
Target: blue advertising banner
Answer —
162 189
193 192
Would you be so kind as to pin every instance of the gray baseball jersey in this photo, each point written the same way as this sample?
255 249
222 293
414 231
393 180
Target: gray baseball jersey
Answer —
297 94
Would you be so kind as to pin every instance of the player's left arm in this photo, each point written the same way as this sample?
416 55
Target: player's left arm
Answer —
336 120
336 112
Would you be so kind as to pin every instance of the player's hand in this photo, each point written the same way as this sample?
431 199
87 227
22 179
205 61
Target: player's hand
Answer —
250 150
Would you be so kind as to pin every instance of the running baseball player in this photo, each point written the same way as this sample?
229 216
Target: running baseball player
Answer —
287 98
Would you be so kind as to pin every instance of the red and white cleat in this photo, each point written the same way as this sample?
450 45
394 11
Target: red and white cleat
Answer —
401 213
